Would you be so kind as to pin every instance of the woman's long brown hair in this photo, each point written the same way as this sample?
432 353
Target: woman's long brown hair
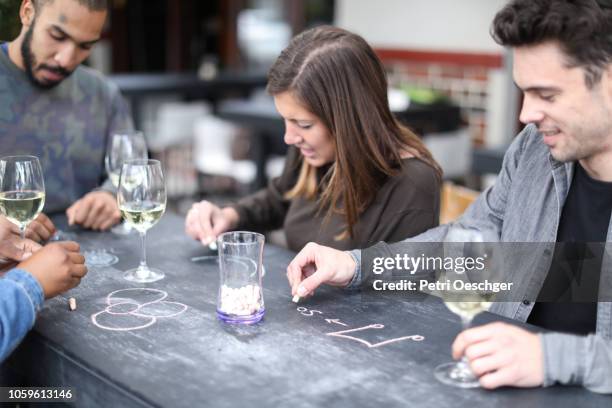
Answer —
337 76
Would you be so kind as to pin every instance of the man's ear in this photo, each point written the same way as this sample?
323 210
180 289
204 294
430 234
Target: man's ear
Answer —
606 81
27 13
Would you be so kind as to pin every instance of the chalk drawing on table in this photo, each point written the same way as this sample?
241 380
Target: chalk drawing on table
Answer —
135 309
336 321
305 312
343 334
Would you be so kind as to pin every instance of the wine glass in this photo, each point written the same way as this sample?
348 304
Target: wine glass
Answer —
465 243
142 201
123 145
22 190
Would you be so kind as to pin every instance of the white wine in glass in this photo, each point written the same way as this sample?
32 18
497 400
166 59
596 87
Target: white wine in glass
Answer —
467 308
142 216
473 243
142 201
22 190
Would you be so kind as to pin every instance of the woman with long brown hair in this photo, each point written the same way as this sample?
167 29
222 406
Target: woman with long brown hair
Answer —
353 176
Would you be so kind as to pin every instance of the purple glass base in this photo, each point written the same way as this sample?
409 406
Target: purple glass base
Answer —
249 319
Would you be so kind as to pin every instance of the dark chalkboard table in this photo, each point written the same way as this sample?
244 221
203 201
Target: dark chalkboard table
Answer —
337 349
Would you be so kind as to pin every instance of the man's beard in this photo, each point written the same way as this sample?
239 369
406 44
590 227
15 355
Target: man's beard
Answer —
29 62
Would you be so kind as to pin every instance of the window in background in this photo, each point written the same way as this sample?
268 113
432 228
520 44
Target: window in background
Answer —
9 19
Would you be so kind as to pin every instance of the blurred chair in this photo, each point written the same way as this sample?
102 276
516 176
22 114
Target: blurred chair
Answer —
213 147
171 141
454 201
175 123
452 150
214 140
275 166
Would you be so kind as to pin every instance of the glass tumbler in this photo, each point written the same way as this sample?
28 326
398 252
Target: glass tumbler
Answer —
240 297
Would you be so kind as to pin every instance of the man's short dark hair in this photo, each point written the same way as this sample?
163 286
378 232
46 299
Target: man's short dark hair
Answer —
583 28
93 5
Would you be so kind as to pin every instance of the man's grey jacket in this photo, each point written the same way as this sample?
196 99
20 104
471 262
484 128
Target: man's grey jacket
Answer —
525 205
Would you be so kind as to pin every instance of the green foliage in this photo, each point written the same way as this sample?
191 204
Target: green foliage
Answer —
9 19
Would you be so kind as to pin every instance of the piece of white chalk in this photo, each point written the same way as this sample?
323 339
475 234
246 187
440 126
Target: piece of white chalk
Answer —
296 299
72 304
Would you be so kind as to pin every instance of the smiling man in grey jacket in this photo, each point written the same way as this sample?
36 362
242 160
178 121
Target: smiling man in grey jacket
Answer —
555 186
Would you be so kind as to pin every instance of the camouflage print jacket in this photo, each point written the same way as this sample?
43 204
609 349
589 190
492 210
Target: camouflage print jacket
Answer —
65 127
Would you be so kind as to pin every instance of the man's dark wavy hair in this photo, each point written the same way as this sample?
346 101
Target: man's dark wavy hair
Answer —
94 5
583 28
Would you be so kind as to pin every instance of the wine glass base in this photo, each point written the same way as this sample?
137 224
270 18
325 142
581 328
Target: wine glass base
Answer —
247 319
122 229
61 235
143 275
453 374
99 258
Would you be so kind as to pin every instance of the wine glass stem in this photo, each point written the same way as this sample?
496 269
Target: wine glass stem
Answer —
463 364
22 230
465 322
143 256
